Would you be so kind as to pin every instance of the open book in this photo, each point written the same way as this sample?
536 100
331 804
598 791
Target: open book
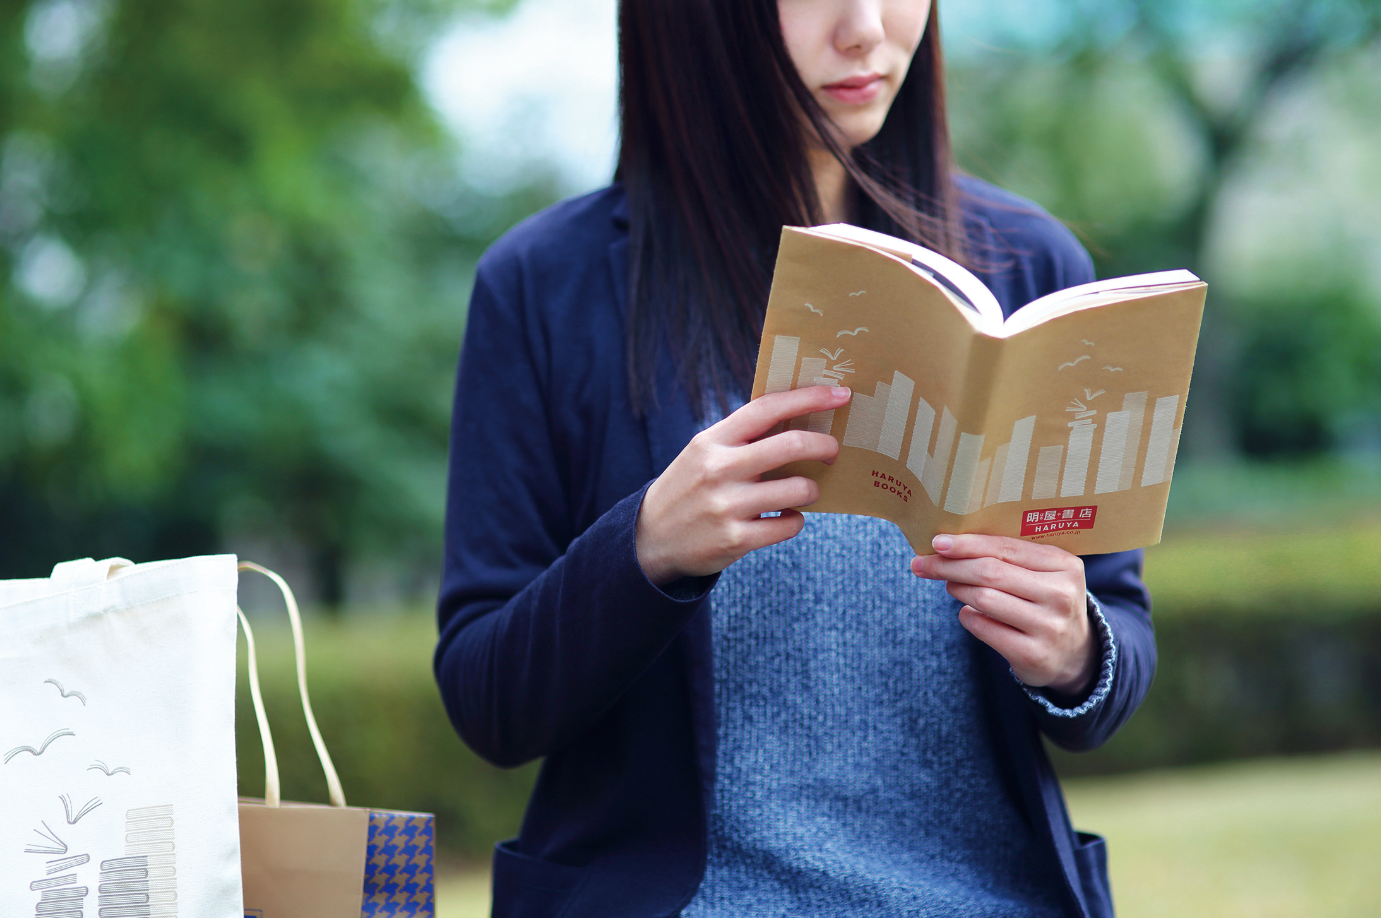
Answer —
1059 424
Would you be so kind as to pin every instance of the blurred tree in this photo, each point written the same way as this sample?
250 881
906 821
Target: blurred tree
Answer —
237 281
1310 367
1132 119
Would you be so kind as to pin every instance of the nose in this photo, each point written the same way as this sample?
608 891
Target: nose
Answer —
859 28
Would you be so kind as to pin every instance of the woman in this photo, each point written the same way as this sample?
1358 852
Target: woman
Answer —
742 714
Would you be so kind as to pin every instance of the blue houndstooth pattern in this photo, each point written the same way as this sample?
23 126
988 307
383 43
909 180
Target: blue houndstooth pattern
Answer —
398 866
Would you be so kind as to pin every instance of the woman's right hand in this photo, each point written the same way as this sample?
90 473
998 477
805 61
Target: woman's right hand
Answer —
705 511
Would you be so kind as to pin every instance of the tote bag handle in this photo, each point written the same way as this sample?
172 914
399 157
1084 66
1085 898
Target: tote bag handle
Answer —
272 788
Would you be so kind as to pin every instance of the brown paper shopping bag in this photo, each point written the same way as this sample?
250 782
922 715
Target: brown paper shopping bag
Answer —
302 860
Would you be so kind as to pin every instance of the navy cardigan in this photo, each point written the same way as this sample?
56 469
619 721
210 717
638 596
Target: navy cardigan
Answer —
552 642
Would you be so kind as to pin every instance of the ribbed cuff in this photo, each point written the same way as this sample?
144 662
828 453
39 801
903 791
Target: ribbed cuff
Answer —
1104 685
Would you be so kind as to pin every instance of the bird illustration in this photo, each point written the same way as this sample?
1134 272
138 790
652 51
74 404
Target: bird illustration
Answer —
861 328
66 694
818 312
1114 369
859 293
1086 341
98 765
56 734
1073 363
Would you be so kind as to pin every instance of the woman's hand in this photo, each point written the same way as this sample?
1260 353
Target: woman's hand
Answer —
703 513
1026 601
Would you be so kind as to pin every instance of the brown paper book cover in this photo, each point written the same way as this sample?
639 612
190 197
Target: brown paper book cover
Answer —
1059 425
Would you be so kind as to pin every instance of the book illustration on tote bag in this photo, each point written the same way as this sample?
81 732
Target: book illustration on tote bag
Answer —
303 860
117 741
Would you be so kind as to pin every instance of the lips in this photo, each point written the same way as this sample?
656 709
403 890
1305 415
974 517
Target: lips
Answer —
855 90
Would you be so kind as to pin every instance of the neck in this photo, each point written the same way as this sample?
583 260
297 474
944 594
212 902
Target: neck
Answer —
831 186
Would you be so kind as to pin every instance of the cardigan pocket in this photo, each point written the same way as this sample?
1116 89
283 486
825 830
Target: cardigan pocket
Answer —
528 887
1091 858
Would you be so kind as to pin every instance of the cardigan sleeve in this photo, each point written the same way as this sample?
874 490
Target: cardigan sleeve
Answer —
1122 612
542 629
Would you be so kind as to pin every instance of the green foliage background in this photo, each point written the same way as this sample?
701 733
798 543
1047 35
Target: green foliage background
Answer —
1164 131
235 295
235 251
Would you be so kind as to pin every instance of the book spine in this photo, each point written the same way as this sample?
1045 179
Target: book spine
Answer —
969 473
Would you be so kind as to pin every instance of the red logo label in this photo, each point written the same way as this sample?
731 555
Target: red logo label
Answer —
1059 519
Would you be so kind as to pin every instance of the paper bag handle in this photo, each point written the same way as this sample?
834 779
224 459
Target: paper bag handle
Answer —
272 792
272 795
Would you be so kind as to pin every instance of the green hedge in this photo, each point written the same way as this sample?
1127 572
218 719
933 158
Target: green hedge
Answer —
1269 644
1290 679
1308 566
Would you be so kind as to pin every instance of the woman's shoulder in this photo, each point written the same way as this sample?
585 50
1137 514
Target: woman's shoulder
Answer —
1018 248
549 278
1016 220
553 239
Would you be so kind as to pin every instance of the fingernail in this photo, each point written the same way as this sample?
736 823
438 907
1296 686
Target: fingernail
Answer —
918 566
942 543
842 393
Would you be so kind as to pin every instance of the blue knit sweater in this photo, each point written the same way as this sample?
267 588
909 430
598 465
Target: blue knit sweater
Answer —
856 773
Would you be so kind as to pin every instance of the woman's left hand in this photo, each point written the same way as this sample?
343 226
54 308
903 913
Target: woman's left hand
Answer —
1026 601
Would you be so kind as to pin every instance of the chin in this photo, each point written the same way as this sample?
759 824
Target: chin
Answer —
859 129
856 125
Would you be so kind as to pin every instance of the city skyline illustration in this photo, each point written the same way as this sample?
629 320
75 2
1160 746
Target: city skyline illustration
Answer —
953 473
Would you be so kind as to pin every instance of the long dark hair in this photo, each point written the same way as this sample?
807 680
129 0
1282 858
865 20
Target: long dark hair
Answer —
714 159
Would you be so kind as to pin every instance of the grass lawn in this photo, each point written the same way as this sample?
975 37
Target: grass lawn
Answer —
463 895
1263 839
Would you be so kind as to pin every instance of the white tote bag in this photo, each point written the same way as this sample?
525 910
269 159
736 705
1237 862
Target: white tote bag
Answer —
117 741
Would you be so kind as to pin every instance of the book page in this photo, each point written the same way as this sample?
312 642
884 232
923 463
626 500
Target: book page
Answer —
966 289
1083 424
1097 293
843 314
